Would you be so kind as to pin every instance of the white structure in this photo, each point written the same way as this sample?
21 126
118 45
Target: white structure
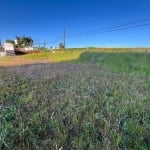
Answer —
8 46
9 49
29 49
2 54
16 42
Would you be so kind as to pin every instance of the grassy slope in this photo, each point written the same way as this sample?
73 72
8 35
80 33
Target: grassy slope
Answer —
96 100
119 62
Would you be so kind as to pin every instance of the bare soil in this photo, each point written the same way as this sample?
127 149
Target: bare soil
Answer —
18 61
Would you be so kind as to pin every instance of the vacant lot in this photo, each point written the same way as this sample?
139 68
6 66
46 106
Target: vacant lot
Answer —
87 100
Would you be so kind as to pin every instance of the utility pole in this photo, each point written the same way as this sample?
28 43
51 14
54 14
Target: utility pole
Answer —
44 44
39 44
64 39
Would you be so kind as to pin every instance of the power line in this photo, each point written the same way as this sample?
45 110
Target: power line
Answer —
114 28
48 42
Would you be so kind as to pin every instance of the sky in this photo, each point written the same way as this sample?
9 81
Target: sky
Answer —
45 20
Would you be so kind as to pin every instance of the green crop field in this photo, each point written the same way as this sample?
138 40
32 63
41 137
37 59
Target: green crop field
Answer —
88 99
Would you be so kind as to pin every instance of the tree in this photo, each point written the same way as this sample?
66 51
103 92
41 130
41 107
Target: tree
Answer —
61 45
24 41
10 41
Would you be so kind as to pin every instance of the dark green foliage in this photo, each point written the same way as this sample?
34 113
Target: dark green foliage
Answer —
24 41
61 45
10 41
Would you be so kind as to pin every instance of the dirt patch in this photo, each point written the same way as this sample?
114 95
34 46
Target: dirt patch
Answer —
18 61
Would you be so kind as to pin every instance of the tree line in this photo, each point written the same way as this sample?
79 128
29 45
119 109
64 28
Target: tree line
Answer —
21 42
24 41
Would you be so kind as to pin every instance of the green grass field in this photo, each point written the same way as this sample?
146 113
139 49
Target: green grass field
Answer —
84 100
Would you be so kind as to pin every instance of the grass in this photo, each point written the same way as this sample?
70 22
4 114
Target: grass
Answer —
87 100
119 62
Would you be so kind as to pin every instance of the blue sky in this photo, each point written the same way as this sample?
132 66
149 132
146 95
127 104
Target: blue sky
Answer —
46 20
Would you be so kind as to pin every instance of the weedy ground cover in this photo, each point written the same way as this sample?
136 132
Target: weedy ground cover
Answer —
93 101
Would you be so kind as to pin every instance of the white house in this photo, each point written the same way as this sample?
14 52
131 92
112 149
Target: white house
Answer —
2 52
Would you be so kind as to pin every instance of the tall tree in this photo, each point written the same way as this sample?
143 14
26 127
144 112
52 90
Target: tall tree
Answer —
24 41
